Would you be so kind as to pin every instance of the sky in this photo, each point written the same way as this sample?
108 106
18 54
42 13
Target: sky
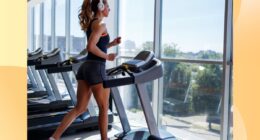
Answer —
192 24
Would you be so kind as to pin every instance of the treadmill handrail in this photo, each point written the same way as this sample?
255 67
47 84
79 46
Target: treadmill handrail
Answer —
36 52
65 64
38 60
52 53
137 77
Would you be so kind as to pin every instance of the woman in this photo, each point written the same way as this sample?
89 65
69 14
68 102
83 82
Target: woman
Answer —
91 74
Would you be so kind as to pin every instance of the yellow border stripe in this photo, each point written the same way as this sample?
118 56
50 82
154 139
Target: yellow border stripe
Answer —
13 39
13 36
246 69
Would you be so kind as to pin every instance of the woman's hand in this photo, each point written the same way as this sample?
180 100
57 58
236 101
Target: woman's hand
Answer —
115 42
111 57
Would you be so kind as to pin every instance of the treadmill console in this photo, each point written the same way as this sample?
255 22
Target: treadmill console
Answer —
139 61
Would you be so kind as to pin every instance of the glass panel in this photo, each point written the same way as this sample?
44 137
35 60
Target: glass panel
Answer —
47 26
192 100
132 103
193 29
60 38
37 26
77 38
29 28
136 26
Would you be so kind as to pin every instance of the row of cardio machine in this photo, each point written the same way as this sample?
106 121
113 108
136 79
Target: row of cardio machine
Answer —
46 105
141 69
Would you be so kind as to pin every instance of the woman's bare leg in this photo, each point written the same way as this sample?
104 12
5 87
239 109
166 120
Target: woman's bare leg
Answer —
83 96
101 95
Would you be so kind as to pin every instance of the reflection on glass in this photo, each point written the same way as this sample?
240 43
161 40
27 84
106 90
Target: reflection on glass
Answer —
37 27
193 29
136 26
60 39
77 38
192 99
47 26
132 103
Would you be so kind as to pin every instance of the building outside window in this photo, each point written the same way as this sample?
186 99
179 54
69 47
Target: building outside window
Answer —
77 36
60 37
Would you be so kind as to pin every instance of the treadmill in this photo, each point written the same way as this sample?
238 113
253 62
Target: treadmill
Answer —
48 81
50 120
54 100
36 90
32 55
143 68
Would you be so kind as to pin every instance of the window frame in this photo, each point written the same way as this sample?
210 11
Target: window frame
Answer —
226 62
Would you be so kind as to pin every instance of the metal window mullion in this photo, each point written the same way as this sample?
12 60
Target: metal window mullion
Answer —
160 102
181 60
67 27
116 21
117 6
227 65
41 25
192 61
53 24
117 3
156 100
68 34
32 29
157 27
118 12
230 118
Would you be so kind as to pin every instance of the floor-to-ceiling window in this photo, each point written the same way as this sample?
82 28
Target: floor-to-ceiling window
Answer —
192 31
47 38
136 29
60 37
77 36
136 26
36 17
191 48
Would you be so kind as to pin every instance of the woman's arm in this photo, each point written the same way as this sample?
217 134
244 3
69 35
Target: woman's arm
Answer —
115 42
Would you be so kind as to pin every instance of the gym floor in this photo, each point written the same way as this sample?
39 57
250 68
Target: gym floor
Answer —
91 135
81 134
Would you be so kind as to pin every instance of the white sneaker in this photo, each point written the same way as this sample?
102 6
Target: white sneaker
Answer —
51 138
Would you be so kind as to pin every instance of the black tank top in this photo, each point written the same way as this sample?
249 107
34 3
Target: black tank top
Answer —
102 44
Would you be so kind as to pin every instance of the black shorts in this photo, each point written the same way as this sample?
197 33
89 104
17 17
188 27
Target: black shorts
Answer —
93 72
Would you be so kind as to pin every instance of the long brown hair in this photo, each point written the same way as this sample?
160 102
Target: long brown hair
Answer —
87 12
